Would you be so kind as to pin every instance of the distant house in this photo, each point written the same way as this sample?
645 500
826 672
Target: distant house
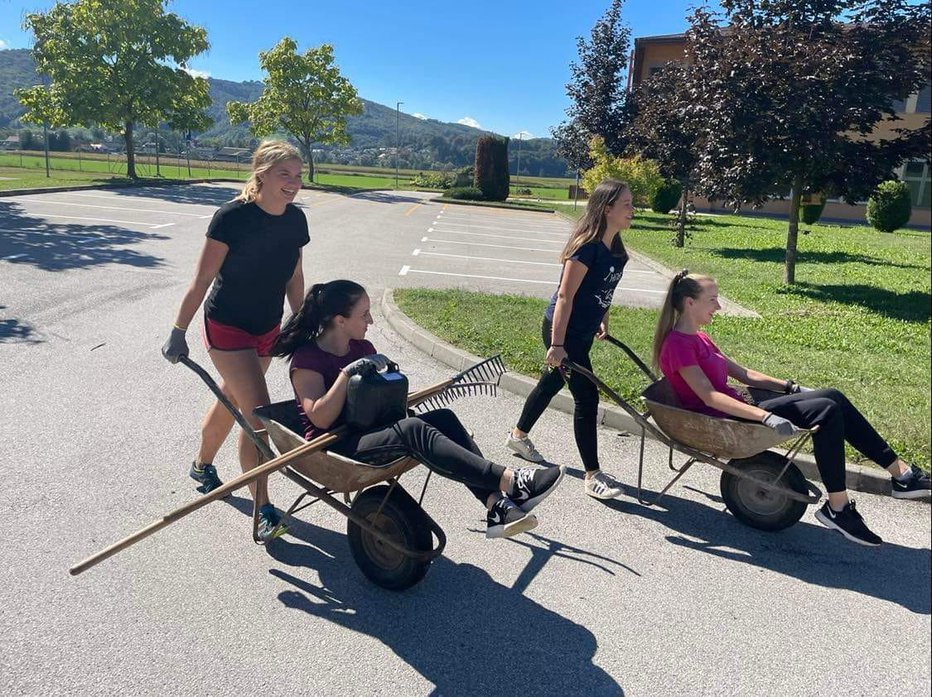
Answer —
651 53
10 143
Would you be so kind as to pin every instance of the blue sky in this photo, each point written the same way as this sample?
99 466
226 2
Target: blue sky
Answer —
501 64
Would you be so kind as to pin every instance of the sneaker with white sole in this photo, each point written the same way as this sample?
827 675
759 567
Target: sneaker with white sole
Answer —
603 486
269 525
525 448
505 519
918 486
849 523
533 484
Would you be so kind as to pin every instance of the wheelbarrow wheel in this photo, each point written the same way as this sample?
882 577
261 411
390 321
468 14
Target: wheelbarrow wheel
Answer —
400 520
759 507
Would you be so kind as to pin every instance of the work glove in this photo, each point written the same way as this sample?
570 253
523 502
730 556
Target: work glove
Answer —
176 346
375 362
783 427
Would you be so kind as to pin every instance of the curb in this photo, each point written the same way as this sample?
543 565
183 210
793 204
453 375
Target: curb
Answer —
866 478
127 185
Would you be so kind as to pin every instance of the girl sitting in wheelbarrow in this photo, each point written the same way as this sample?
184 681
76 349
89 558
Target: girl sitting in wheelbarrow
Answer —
326 343
698 371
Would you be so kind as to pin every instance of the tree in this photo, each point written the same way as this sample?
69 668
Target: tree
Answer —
641 174
572 144
304 95
115 63
597 89
491 169
789 93
664 128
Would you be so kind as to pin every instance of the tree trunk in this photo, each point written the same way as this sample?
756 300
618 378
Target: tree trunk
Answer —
792 234
130 152
305 145
681 223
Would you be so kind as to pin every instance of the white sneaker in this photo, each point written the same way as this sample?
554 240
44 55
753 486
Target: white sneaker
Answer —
525 448
603 486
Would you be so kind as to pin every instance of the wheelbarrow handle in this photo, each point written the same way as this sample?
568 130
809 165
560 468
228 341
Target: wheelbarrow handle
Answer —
632 355
260 444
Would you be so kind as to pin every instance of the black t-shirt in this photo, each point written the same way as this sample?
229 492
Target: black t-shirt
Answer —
595 292
249 291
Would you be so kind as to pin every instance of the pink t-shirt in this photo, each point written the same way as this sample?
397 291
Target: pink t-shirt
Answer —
681 350
312 357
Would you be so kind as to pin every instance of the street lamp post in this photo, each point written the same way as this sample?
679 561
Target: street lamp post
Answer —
397 139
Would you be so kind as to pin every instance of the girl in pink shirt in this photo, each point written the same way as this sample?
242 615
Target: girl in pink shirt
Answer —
698 372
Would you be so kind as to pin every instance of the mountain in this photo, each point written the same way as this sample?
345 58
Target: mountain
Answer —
425 143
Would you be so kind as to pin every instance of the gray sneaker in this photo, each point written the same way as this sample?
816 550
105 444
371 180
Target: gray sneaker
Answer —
505 519
525 448
603 486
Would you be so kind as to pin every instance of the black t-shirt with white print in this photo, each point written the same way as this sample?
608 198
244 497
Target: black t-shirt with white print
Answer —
597 288
249 291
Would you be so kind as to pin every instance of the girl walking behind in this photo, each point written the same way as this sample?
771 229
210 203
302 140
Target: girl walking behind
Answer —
593 261
252 258
326 343
698 371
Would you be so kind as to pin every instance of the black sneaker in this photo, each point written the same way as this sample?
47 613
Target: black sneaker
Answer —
533 484
505 519
918 485
849 523
206 475
270 525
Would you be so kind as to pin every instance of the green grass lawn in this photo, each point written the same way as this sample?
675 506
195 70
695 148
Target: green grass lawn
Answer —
858 317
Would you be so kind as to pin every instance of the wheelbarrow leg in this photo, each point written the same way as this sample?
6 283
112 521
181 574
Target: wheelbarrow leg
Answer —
679 473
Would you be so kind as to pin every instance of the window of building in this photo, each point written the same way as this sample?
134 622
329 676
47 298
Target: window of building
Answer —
916 176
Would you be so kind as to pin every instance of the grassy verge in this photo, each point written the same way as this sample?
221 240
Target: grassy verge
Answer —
857 319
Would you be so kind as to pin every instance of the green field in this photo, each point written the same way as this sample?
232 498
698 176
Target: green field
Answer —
858 318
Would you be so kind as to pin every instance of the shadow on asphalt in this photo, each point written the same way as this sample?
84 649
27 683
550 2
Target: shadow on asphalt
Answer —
13 331
807 551
460 629
51 246
213 195
385 197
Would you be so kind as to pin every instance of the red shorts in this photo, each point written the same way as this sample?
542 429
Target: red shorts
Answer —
223 337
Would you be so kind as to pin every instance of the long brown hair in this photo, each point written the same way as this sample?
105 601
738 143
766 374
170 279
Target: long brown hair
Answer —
684 285
266 156
592 225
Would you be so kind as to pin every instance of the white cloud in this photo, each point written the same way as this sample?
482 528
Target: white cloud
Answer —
419 116
469 121
523 135
193 72
3 44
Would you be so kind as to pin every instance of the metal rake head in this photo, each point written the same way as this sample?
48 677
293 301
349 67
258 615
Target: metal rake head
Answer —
463 389
489 370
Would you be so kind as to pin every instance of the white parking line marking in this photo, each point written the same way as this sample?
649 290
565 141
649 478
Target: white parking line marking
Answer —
404 270
13 256
156 227
415 252
463 256
496 246
110 208
504 229
503 237
407 270
105 220
115 198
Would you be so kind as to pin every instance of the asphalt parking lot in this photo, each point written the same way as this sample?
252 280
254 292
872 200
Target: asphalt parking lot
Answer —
601 599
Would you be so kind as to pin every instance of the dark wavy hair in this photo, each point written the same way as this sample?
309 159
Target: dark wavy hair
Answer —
323 302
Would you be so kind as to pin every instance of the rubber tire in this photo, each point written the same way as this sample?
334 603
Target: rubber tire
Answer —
758 507
403 521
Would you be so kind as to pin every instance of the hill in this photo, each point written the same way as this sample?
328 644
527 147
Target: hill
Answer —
425 143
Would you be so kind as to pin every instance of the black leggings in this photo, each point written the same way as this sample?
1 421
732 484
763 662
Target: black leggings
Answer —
838 421
585 396
437 439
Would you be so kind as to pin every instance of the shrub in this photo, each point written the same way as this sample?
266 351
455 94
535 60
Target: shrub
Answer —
491 169
641 174
889 207
667 196
433 180
811 212
465 193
